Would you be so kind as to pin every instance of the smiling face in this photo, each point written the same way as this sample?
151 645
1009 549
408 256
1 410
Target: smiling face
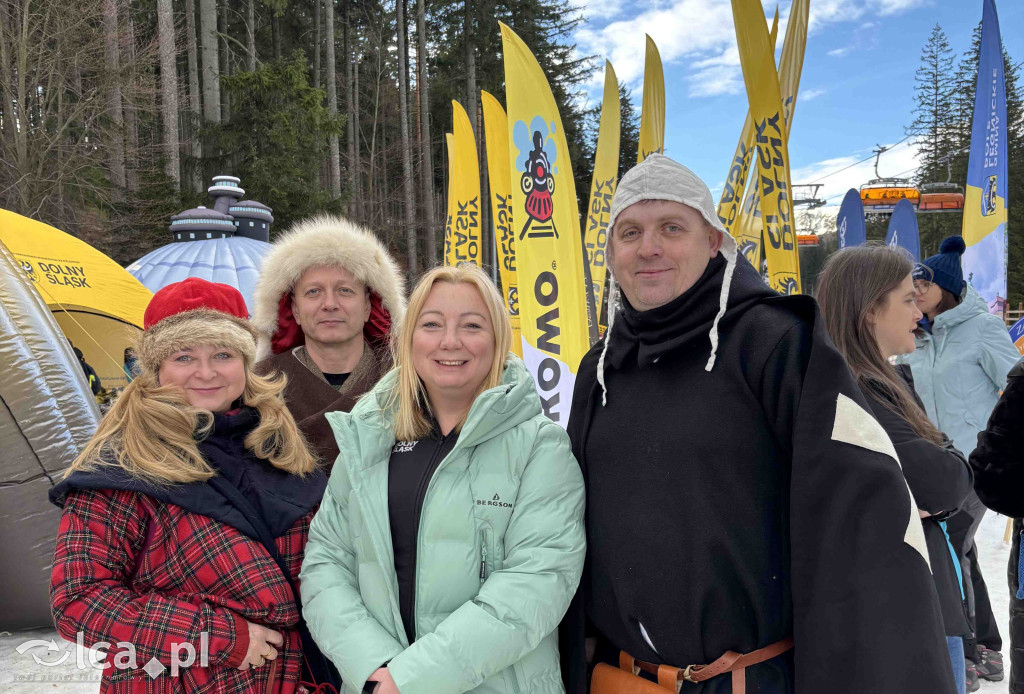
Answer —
453 342
212 377
894 322
659 249
330 305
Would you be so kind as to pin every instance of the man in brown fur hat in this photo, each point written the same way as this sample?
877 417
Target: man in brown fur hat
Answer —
326 299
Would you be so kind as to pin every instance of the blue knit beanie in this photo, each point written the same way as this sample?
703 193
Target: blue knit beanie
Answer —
946 265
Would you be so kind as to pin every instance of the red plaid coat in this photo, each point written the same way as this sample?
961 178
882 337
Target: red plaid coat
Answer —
132 569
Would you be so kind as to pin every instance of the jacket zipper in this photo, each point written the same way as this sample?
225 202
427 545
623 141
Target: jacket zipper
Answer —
483 555
421 495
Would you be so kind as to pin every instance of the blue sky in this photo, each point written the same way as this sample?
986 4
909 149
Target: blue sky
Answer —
856 90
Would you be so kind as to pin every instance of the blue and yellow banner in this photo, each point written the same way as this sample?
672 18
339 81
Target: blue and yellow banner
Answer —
499 178
602 188
902 230
984 225
549 250
851 228
1017 335
652 110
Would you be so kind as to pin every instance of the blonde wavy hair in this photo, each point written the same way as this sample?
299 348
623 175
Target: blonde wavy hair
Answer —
409 396
152 432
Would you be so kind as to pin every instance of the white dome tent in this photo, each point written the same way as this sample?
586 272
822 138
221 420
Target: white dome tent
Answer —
225 243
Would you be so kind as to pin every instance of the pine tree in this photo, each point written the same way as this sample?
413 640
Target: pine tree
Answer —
933 124
936 130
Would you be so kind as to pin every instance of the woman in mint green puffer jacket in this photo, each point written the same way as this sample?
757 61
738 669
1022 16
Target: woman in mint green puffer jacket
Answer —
498 545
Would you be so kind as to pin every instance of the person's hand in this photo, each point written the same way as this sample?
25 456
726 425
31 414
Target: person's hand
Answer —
263 645
385 685
923 514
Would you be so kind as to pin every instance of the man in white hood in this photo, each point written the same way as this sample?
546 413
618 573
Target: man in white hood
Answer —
740 497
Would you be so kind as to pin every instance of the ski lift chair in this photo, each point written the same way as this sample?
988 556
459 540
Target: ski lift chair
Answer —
944 196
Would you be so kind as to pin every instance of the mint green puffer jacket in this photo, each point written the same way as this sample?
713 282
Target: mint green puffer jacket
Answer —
501 548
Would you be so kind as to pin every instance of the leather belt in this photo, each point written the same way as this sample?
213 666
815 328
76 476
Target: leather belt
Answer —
672 678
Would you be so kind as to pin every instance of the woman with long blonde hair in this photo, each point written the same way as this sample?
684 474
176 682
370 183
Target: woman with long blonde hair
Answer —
186 516
450 540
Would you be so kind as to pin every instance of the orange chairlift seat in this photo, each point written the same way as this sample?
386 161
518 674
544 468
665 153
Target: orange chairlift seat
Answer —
944 196
880 195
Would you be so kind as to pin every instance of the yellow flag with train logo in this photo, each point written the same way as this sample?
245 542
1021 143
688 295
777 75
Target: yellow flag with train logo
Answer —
770 138
602 188
499 179
463 193
549 252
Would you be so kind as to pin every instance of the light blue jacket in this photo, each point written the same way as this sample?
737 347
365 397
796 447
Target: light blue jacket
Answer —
501 548
960 368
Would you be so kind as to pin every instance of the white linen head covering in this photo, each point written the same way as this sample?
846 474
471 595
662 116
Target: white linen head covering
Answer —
661 178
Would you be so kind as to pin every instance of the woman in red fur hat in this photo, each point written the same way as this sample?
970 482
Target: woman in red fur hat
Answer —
185 518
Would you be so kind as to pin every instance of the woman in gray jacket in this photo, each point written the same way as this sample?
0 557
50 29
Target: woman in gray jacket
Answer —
963 354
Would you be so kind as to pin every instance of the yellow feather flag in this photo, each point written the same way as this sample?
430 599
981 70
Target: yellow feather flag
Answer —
749 229
792 62
652 111
735 183
749 232
602 187
463 193
770 135
449 254
549 254
500 180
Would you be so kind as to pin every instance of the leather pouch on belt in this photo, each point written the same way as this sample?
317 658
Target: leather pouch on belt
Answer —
624 680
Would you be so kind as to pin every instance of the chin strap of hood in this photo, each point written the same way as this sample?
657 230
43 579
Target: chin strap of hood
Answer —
661 178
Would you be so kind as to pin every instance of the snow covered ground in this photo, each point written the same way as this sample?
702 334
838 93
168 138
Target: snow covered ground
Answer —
25 673
994 554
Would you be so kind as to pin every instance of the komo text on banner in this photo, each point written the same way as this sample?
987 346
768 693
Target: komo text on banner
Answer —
549 251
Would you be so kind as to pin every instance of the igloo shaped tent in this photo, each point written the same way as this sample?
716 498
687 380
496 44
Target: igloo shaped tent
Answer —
47 416
225 243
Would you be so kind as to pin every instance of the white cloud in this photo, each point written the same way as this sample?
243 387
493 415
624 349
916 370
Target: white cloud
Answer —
701 30
600 9
698 37
719 74
808 94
